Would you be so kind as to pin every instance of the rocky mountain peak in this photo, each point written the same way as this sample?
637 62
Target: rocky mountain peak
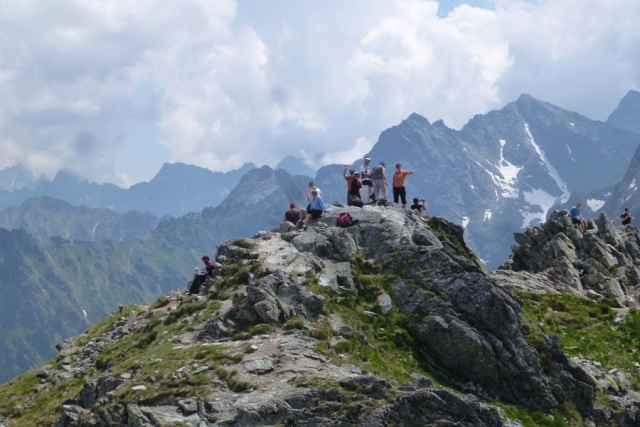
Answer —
317 327
601 262
627 114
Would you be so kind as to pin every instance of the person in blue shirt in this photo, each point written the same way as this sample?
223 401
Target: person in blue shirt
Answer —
318 208
576 218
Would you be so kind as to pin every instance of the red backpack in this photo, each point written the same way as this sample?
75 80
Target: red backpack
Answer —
344 220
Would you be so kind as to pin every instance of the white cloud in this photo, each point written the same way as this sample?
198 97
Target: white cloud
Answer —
112 89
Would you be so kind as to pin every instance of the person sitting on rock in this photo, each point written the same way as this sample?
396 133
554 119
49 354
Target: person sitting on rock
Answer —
312 186
416 206
576 218
354 191
201 276
210 266
626 217
318 208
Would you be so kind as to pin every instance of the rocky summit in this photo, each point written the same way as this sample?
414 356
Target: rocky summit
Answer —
392 321
603 262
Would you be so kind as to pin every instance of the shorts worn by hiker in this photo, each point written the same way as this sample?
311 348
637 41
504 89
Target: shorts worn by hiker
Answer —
315 214
576 220
399 193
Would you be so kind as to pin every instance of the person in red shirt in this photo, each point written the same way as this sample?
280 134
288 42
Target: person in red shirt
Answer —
209 265
399 192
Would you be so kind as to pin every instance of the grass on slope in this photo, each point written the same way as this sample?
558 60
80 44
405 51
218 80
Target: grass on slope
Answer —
149 354
589 330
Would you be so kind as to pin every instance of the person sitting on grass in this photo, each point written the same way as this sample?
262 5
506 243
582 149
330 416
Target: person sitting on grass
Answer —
318 208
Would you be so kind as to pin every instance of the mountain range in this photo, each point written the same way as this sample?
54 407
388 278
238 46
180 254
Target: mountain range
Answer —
177 189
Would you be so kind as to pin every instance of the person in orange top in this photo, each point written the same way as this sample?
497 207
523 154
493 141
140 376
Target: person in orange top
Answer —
349 179
399 192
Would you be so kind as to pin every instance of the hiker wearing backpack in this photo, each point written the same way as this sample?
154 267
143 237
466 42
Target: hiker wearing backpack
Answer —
379 179
354 191
318 208
399 191
367 184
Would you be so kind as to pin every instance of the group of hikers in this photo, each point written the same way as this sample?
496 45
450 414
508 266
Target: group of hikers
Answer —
577 218
367 187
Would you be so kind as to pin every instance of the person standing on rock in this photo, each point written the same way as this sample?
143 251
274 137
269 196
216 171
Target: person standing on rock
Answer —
576 218
318 208
399 191
379 179
626 217
349 179
365 173
416 206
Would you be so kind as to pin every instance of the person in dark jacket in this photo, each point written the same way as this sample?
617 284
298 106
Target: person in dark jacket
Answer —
626 217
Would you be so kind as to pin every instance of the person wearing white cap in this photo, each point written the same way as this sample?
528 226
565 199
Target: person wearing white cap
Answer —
367 185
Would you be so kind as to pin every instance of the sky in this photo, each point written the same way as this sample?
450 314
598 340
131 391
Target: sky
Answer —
111 90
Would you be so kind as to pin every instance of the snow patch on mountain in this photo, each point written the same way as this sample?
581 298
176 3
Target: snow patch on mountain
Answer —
595 204
465 221
508 175
487 215
633 184
552 170
539 198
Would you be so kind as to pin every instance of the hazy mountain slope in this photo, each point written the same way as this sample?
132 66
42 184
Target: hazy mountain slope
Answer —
45 286
627 115
257 203
503 170
44 217
16 177
295 166
176 190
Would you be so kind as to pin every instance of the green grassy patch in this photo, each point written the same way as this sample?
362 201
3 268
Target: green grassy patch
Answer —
588 330
242 243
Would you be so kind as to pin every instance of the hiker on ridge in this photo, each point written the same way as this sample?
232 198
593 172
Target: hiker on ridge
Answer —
354 191
626 217
365 173
210 266
576 218
312 186
399 191
349 179
416 206
379 178
293 215
318 208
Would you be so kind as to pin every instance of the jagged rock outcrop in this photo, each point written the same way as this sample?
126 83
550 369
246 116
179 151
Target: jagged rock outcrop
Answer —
604 260
261 346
